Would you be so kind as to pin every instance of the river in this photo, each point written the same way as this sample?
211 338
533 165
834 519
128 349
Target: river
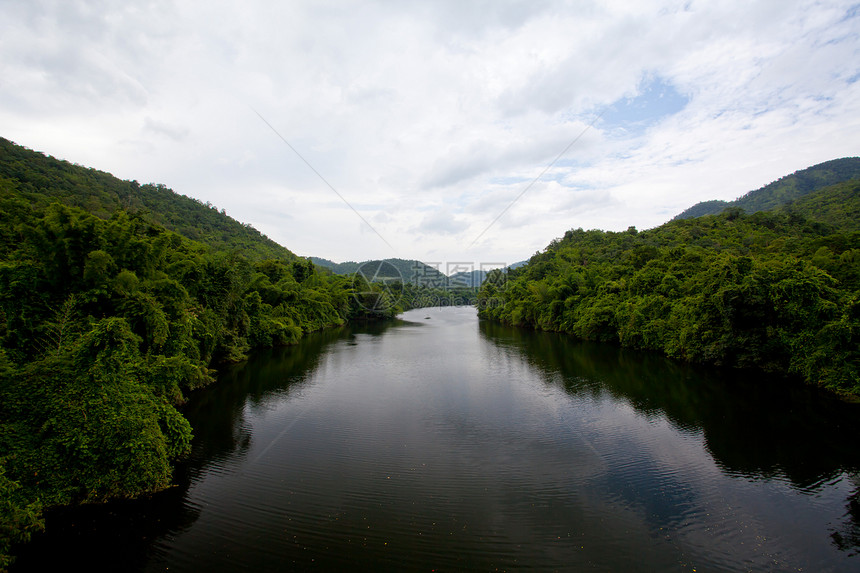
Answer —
439 442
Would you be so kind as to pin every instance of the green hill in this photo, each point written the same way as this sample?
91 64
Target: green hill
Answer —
837 205
410 271
783 191
774 290
324 263
42 179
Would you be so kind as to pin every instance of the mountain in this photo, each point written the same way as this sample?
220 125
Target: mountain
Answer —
837 206
42 179
477 277
784 190
409 271
325 263
468 279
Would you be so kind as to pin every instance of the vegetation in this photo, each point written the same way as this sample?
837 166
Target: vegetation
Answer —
41 179
108 319
105 326
384 286
777 290
785 190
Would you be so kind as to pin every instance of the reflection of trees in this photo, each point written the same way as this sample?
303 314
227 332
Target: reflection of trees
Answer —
847 537
753 425
110 537
217 412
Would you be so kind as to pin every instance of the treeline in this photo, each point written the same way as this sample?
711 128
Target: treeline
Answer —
777 290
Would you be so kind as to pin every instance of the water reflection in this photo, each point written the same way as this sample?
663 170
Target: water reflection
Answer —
846 536
218 413
119 536
753 425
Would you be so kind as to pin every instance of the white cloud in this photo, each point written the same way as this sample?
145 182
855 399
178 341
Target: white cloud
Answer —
441 222
431 118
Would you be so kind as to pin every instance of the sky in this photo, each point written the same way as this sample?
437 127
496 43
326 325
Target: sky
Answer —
449 131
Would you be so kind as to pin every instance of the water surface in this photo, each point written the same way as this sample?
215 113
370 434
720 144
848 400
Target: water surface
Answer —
440 442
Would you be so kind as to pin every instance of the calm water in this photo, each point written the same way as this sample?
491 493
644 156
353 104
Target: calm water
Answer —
449 444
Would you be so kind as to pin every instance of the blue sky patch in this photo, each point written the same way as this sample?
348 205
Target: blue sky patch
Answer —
656 100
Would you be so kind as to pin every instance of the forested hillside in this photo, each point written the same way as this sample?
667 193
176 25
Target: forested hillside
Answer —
776 290
41 179
108 320
785 190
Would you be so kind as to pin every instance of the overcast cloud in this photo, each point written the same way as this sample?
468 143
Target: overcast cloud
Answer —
429 118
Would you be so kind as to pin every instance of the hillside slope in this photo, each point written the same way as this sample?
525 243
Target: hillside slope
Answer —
783 191
837 205
41 179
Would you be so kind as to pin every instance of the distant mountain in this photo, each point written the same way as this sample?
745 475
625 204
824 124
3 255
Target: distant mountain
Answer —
714 207
468 279
783 191
477 277
325 263
410 271
42 178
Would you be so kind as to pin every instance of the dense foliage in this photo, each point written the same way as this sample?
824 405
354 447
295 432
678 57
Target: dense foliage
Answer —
785 190
778 290
106 325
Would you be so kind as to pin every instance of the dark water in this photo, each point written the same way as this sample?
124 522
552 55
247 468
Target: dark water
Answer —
450 444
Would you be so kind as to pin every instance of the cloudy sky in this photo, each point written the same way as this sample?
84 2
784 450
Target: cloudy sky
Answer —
430 119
